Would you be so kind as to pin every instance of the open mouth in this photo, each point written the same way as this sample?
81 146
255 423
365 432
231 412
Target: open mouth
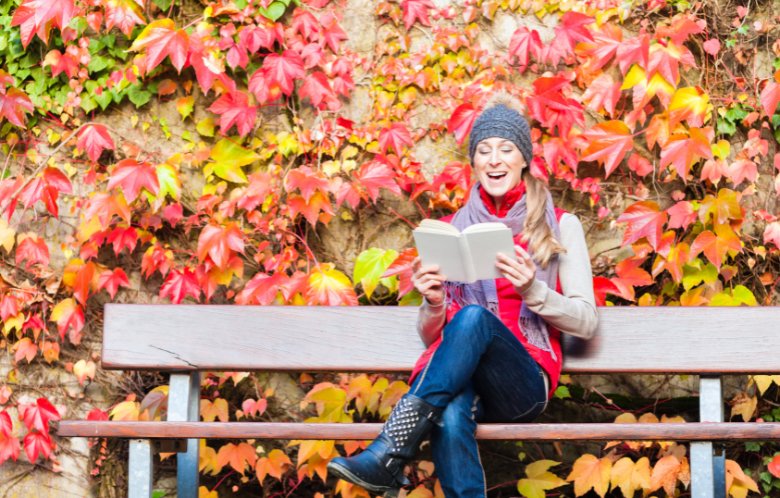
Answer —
497 176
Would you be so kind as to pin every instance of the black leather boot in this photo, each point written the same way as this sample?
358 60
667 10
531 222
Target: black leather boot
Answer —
380 468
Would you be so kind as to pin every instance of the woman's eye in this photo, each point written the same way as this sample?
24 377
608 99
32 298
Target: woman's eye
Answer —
507 151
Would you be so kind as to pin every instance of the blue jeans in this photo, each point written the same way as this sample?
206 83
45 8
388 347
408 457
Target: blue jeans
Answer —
479 373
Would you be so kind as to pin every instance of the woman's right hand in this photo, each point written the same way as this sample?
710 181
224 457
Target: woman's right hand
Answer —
428 282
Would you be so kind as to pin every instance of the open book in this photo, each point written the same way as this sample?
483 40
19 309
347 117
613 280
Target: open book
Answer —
464 257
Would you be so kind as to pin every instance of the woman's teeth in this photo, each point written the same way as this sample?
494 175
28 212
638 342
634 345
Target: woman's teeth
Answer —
496 176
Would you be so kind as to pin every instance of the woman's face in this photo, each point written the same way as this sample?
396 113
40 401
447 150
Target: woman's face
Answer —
499 165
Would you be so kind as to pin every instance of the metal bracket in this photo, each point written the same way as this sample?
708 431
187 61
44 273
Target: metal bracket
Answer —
184 406
169 446
708 460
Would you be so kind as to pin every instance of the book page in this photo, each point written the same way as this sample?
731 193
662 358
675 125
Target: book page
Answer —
484 247
427 225
443 250
481 227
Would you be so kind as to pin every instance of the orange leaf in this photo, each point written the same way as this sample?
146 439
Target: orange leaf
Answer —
237 456
682 151
25 348
608 143
590 472
275 464
668 471
715 245
330 288
644 220
210 410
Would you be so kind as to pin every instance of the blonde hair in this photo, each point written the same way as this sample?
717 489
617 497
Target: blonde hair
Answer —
536 231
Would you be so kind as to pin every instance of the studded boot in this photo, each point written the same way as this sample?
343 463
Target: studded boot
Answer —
380 468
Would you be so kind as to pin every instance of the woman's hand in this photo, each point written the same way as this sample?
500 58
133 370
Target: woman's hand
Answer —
521 273
428 282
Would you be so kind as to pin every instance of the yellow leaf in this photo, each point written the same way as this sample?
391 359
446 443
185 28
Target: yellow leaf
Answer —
84 369
539 479
275 464
15 322
203 492
625 418
688 104
630 476
590 472
127 410
764 381
208 459
744 405
737 482
7 236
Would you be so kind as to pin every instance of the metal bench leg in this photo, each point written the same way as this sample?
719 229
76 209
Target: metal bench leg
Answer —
140 472
184 405
708 471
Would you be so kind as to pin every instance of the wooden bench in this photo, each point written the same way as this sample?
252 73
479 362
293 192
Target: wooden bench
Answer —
185 340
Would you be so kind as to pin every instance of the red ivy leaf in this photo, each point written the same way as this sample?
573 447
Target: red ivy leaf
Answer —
416 9
523 43
179 284
111 281
219 242
34 250
93 139
124 14
317 88
36 443
644 220
39 16
461 121
161 39
306 180
132 176
395 136
603 286
572 29
402 266
37 415
234 108
13 104
283 69
374 175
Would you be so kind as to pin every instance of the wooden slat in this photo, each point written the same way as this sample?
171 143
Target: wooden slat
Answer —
530 432
384 339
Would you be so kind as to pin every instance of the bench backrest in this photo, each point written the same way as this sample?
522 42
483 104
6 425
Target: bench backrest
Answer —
384 339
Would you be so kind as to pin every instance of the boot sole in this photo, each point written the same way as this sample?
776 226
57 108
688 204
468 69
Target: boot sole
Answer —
343 473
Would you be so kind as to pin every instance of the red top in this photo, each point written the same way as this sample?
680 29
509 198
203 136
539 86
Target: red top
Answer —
509 301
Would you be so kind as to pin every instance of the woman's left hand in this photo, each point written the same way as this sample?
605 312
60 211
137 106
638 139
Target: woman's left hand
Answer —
521 273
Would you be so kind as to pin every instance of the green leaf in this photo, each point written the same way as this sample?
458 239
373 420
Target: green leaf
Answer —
78 23
726 127
412 298
98 63
370 265
562 392
163 4
743 295
228 157
693 276
274 12
169 181
206 127
87 103
137 96
539 479
108 40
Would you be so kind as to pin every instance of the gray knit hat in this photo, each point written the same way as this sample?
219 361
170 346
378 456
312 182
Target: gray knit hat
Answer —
501 118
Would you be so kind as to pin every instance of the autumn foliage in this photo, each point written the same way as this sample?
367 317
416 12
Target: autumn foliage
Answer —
647 118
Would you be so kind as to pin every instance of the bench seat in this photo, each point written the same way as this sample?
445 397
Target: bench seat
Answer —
186 340
707 431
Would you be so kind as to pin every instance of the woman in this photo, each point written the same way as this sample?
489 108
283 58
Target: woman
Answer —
499 357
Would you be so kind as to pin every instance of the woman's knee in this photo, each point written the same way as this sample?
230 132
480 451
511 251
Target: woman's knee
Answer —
469 317
461 413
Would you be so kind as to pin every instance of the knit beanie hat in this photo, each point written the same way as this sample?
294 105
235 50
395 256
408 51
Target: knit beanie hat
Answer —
501 118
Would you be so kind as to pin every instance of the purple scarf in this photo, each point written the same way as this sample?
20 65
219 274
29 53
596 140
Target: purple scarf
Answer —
483 292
